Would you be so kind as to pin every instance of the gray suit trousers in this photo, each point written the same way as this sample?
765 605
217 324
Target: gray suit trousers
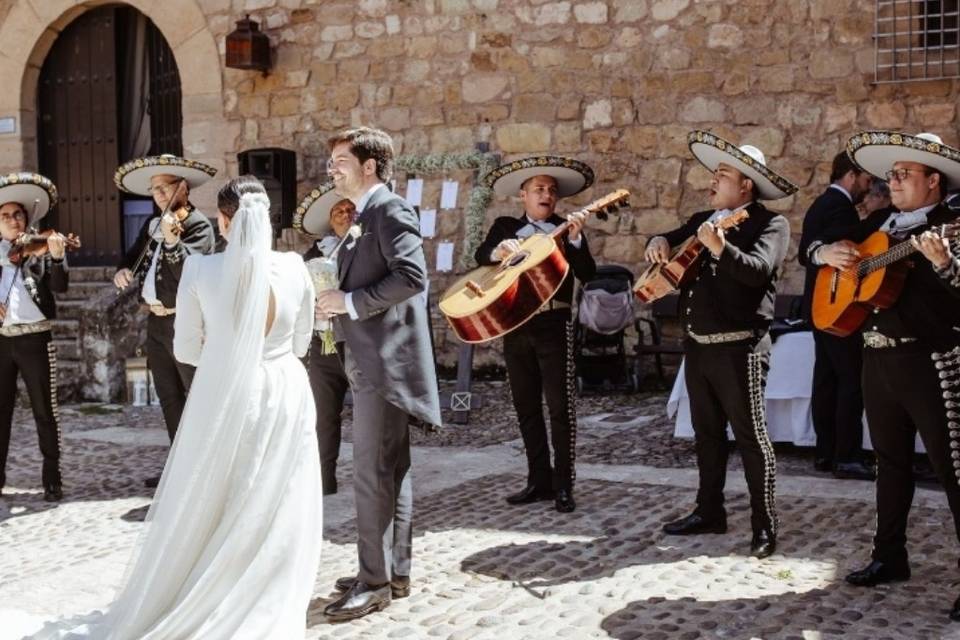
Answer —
382 481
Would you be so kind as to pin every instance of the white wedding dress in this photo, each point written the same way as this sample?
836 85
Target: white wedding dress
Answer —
232 539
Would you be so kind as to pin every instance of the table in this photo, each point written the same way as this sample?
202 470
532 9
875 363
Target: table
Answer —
789 384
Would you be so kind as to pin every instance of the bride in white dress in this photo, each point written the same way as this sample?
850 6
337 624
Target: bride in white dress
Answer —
232 539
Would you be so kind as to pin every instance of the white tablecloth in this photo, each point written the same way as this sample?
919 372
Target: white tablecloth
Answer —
789 385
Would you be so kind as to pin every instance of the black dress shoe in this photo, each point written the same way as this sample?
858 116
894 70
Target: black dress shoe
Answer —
530 494
399 585
564 501
152 483
955 611
878 572
53 493
853 471
823 464
359 600
695 524
763 544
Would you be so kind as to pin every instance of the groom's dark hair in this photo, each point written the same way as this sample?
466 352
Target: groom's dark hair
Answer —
367 143
228 198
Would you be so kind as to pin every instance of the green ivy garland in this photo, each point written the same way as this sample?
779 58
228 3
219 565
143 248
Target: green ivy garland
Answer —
480 195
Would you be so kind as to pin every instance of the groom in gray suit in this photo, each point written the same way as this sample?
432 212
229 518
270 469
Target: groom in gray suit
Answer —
381 312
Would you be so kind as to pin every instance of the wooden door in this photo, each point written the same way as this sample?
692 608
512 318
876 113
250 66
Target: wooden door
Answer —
77 135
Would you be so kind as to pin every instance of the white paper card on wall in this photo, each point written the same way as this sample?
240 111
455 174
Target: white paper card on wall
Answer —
428 222
8 124
414 192
445 256
448 196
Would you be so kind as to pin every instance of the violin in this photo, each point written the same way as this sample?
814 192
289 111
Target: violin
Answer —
34 243
179 211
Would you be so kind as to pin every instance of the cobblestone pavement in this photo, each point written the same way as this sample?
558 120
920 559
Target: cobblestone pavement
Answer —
487 570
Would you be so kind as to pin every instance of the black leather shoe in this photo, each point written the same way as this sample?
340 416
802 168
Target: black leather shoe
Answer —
399 585
564 501
878 573
695 524
823 464
955 611
53 493
853 471
359 600
763 544
151 483
530 494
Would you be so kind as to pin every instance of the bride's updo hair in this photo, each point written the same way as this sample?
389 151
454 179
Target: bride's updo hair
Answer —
228 198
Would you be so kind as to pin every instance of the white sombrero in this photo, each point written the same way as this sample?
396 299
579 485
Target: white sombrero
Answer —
711 150
876 151
134 176
36 193
312 215
572 176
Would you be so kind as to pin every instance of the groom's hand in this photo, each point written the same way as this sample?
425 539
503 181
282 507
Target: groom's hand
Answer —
331 303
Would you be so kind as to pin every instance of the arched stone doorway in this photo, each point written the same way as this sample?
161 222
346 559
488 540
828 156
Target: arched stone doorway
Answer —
109 91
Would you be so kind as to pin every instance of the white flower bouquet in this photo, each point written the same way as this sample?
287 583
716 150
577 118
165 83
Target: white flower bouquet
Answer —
323 271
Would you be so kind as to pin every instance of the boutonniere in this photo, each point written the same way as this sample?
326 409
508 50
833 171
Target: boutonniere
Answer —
354 232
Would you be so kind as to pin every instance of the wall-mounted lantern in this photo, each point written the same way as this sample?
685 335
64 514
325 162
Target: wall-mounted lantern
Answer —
248 47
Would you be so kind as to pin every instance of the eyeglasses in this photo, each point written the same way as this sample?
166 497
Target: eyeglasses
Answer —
16 215
165 189
901 174
336 162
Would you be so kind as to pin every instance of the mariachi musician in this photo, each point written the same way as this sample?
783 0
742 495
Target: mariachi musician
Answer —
726 311
155 261
27 307
326 217
911 356
539 354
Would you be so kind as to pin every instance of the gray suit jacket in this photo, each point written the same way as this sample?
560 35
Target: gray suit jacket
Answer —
386 273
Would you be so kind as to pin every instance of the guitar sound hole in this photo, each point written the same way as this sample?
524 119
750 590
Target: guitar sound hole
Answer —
517 258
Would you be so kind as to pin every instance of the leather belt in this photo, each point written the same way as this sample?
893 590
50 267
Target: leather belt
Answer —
26 329
550 305
876 340
720 338
160 310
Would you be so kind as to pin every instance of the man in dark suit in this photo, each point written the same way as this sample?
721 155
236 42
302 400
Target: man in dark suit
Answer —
837 401
27 308
539 353
381 313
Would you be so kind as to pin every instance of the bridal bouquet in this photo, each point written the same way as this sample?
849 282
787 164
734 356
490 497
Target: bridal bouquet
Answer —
323 271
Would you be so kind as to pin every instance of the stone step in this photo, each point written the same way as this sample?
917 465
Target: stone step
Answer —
64 329
70 309
84 290
92 274
68 372
67 350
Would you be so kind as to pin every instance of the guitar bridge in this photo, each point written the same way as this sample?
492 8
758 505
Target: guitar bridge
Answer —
474 287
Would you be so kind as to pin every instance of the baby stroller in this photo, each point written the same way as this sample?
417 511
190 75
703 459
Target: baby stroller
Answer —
604 311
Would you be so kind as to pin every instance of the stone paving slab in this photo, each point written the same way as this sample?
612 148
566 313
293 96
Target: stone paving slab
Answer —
484 569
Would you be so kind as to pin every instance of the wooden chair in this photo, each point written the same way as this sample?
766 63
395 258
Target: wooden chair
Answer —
665 308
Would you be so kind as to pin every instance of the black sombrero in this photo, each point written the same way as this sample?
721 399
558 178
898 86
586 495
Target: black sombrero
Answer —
572 176
36 193
711 150
134 176
312 215
876 151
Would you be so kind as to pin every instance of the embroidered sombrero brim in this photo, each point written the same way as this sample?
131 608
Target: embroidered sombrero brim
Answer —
312 215
134 176
36 193
712 150
876 152
571 175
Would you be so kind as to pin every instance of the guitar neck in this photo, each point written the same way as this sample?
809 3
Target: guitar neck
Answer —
882 260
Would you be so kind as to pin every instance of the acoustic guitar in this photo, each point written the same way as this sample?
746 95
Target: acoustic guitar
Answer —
490 302
661 279
843 298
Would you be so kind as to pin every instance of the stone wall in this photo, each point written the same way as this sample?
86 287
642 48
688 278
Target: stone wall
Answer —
616 83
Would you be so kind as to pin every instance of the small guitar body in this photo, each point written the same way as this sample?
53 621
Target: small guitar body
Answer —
842 300
659 280
491 301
